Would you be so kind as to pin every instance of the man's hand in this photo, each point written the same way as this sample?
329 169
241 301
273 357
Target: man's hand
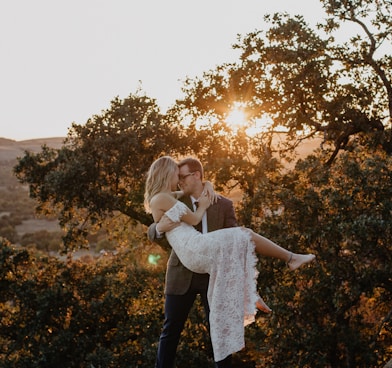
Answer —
165 224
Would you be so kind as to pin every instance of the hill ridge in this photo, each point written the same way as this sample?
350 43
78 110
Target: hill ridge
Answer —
11 149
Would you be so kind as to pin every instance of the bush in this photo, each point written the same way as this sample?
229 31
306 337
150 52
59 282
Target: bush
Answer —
42 240
107 313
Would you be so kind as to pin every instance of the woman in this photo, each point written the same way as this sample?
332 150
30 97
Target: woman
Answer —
228 255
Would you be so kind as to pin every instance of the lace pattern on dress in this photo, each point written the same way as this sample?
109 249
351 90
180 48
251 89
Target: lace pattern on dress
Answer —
228 255
177 211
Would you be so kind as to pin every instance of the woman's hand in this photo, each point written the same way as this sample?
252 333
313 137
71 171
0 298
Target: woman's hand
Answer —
204 201
209 190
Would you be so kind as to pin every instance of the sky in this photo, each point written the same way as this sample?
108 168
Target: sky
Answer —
64 61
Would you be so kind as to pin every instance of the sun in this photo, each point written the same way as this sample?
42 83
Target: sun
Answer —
236 118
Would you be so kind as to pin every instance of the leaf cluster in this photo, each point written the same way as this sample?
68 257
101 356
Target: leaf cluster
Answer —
54 314
337 313
305 82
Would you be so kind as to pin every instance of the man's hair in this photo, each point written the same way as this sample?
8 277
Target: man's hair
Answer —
194 165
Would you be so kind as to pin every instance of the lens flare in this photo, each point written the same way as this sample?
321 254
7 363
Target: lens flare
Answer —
153 259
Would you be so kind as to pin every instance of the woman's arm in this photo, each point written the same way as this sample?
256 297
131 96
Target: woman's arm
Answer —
193 218
162 202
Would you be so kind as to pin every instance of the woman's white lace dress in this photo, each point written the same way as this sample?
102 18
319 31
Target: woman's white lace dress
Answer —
228 255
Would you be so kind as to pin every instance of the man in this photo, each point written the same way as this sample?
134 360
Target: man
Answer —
182 285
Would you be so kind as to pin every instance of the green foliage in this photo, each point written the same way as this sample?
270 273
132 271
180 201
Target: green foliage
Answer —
104 314
305 83
97 178
100 169
337 313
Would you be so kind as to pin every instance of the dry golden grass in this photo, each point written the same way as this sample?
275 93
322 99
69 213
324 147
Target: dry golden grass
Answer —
10 149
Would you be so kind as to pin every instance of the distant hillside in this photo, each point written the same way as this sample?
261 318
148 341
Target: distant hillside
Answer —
10 149
6 141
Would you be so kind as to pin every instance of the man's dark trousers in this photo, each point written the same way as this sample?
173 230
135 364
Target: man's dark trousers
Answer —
177 308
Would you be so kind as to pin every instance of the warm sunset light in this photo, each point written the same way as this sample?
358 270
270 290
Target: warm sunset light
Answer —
237 117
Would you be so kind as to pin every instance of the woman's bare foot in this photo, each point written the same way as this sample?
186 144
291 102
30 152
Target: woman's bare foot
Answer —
297 260
260 304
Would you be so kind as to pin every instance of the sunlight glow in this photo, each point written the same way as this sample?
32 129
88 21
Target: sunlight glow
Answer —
259 125
237 118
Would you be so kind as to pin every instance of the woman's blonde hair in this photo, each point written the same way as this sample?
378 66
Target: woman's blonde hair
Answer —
158 179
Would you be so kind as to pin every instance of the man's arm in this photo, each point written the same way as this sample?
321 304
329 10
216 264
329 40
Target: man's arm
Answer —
152 232
156 231
153 236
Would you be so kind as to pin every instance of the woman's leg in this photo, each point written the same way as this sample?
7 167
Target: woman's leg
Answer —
268 248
